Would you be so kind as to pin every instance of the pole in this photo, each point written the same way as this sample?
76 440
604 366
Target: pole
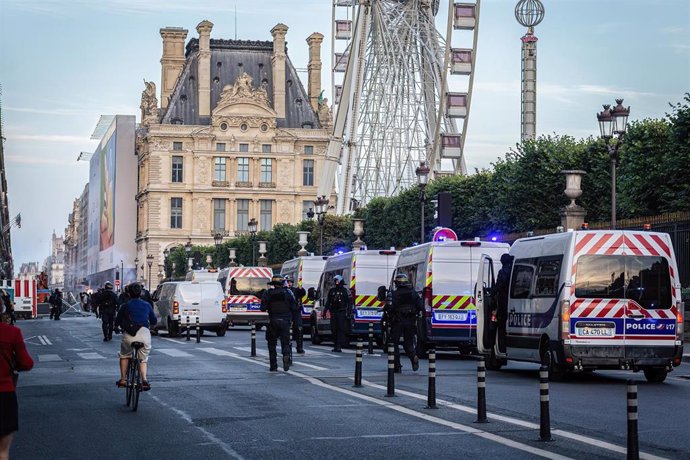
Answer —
188 331
544 418
633 451
253 250
358 365
321 219
390 390
198 331
421 200
371 338
253 340
431 389
613 190
481 391
149 283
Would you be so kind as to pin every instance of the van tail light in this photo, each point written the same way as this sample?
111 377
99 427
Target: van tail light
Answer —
224 305
428 296
565 319
679 321
176 307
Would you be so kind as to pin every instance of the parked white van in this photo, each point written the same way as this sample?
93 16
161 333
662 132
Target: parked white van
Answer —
243 288
305 272
363 272
205 299
588 300
445 274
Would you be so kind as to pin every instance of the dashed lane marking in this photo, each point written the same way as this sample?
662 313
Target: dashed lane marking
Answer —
298 363
90 356
49 358
173 352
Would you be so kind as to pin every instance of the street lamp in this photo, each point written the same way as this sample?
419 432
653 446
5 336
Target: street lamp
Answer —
613 124
422 173
320 208
252 226
149 262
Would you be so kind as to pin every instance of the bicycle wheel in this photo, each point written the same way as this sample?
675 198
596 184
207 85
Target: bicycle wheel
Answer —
136 385
130 379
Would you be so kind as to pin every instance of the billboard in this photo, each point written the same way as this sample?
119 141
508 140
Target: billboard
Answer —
107 195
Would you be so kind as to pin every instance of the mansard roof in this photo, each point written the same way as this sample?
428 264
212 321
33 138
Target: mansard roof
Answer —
229 59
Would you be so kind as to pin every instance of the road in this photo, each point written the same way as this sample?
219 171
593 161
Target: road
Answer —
212 400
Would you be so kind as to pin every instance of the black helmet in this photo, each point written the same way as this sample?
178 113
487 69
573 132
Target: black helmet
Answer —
277 280
506 259
134 290
401 279
107 285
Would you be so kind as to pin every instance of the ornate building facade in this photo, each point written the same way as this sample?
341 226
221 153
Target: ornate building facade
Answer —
236 137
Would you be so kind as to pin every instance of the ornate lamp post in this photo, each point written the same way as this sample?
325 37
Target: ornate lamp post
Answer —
612 126
252 225
218 236
149 262
529 13
320 208
422 172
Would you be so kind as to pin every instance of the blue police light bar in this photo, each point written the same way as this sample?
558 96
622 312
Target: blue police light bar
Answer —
445 234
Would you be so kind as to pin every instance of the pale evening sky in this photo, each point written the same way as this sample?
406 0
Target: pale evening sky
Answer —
63 63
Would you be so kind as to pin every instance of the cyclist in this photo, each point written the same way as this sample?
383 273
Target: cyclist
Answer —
135 318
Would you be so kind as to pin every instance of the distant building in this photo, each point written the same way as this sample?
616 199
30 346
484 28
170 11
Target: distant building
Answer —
54 263
236 137
29 269
76 247
6 262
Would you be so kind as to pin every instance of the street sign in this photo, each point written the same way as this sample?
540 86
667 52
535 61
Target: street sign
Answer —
117 282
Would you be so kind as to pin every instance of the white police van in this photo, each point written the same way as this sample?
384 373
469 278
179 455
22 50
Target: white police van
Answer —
588 300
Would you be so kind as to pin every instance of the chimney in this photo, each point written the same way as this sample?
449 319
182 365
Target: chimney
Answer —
278 62
172 61
204 70
314 69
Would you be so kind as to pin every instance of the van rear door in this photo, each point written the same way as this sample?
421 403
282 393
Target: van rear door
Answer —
486 336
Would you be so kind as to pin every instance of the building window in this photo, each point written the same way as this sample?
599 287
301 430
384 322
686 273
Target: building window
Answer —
244 147
175 212
266 170
220 147
219 169
265 148
308 172
243 169
177 146
306 207
266 215
309 149
219 214
177 162
242 215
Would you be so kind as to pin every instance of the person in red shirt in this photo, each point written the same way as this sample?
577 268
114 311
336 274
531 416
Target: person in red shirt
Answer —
13 358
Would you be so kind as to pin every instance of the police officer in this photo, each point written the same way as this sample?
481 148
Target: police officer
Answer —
299 293
402 313
106 301
338 302
280 304
501 293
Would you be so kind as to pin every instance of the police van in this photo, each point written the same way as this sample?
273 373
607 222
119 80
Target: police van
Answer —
445 274
588 300
305 272
243 287
363 272
205 274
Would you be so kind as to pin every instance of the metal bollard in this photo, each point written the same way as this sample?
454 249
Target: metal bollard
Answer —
544 417
198 331
253 340
371 338
481 391
633 441
390 390
188 330
358 364
431 391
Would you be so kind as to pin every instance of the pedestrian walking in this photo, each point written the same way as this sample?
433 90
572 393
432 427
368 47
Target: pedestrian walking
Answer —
339 304
280 304
13 359
402 312
500 315
55 301
299 293
9 306
106 302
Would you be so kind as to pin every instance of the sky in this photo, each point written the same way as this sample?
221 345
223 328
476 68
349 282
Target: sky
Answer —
63 63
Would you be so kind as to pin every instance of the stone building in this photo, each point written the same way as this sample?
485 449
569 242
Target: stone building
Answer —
54 263
236 137
76 244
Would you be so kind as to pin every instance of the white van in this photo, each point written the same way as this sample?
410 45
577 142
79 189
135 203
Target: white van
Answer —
363 272
305 271
587 300
445 273
243 288
206 274
205 299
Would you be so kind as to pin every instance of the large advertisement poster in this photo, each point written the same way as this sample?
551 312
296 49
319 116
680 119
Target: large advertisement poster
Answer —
107 195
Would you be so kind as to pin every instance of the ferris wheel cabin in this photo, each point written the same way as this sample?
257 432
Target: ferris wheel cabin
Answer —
465 16
343 29
456 105
461 61
451 145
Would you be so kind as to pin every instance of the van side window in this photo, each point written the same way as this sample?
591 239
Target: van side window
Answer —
410 271
521 283
548 274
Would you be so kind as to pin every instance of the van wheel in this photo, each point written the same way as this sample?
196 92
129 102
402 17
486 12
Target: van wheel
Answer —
222 329
494 363
315 337
173 328
556 373
655 374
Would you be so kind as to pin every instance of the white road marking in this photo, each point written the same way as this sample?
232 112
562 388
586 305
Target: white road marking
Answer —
90 356
48 358
173 352
182 340
332 353
298 363
48 342
40 339
375 436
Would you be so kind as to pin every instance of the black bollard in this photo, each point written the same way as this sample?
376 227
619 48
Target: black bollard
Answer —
544 417
481 391
358 364
633 441
198 331
431 391
188 330
391 372
371 338
253 340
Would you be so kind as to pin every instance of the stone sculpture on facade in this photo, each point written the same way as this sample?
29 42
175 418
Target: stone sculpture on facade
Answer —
325 114
243 91
149 104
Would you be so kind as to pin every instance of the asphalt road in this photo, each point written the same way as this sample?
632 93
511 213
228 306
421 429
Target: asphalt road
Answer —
212 400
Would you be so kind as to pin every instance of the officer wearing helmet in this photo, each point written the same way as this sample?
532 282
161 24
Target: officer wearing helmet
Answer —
299 293
402 312
280 304
338 302
106 302
500 293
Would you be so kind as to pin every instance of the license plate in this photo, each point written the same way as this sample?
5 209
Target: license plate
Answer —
190 312
237 308
369 313
595 331
307 309
451 316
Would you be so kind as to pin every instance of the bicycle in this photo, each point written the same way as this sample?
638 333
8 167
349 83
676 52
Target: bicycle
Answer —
134 383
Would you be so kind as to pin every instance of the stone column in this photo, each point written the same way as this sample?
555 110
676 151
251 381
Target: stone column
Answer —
314 69
573 216
172 61
278 62
204 68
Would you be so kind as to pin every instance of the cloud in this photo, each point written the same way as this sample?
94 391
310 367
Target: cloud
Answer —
680 48
49 138
33 160
56 111
673 30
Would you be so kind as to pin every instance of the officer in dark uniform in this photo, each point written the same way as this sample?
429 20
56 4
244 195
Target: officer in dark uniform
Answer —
338 302
280 304
501 293
299 293
106 301
402 313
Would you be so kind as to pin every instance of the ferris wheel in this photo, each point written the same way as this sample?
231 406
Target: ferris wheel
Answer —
402 94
